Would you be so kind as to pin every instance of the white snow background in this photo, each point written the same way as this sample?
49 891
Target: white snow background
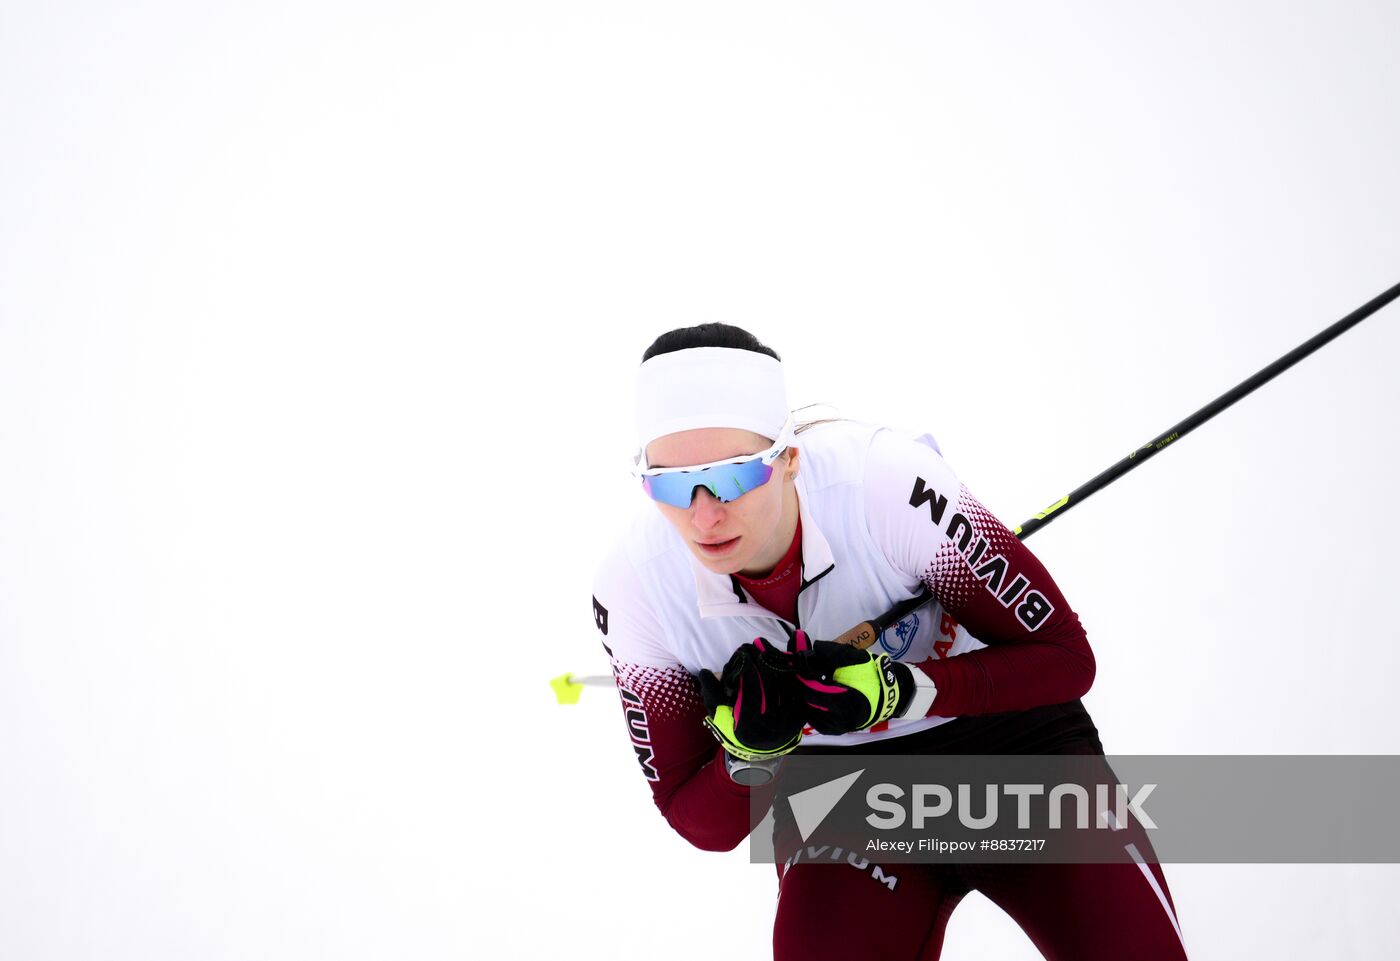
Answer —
318 323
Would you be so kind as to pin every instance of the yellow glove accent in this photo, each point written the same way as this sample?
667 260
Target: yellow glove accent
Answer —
876 681
722 727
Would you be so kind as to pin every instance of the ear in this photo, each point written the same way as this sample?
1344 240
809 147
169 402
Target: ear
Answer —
794 457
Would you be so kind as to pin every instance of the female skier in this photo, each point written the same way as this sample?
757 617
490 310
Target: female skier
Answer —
765 537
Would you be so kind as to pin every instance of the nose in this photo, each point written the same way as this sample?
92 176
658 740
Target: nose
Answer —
706 512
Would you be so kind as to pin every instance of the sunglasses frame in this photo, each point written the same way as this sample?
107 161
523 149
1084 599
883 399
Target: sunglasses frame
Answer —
767 456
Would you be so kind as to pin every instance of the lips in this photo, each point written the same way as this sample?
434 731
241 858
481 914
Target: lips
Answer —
716 548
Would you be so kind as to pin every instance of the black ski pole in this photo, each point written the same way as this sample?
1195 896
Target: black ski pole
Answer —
1173 434
864 634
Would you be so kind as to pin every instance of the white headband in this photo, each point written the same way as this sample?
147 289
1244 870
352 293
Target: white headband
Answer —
710 387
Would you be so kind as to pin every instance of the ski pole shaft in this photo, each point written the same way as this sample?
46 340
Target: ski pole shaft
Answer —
1178 431
864 634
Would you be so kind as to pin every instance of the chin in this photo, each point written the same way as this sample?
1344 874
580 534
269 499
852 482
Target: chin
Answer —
723 565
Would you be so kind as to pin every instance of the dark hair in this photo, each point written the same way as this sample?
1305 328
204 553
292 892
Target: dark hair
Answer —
707 335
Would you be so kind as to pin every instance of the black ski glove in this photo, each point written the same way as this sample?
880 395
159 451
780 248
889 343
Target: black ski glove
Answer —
755 706
847 689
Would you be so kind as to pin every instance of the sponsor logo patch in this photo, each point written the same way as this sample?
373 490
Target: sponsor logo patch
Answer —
904 633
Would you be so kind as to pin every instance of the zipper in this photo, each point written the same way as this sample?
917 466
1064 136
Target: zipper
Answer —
797 601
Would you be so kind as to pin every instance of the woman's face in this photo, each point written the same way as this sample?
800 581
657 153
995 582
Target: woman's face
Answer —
747 535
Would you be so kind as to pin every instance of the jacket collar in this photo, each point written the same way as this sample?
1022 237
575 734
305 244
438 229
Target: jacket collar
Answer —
721 595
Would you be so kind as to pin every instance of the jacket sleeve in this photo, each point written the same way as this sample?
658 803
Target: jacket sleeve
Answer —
664 716
929 526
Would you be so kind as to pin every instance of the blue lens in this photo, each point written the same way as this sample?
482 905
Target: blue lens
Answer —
726 482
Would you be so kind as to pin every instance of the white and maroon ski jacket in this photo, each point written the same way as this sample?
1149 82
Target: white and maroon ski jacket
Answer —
882 517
